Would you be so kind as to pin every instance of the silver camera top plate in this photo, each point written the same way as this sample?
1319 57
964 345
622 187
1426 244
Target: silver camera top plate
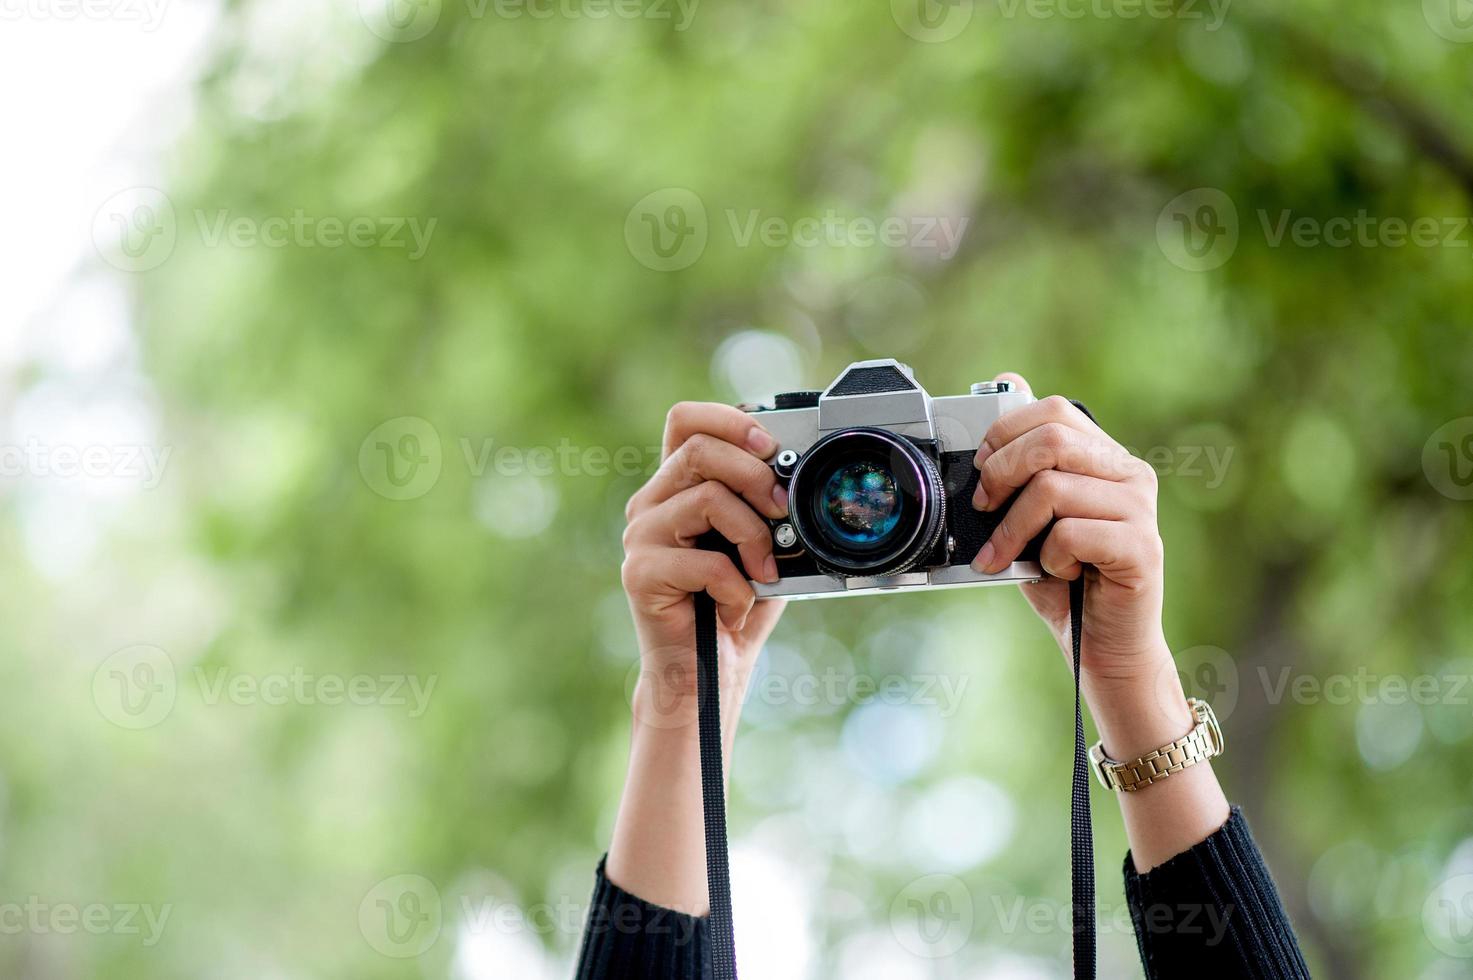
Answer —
956 422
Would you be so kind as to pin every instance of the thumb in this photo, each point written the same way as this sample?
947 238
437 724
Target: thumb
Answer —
1019 382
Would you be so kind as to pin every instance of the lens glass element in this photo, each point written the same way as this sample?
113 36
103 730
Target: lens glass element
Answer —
866 501
860 503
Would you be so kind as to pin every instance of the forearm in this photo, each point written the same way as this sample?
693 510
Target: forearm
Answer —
1198 889
658 851
1134 717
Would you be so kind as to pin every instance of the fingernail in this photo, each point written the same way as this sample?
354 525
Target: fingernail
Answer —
760 441
979 498
984 557
983 451
780 498
769 569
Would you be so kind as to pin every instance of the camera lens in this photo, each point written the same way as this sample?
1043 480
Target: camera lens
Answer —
860 504
866 502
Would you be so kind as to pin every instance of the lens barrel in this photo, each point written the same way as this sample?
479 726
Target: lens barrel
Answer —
867 502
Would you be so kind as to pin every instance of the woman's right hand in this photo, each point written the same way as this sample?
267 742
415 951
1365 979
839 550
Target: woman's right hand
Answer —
712 477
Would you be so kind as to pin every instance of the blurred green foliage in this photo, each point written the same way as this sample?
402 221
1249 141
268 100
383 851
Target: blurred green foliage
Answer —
532 318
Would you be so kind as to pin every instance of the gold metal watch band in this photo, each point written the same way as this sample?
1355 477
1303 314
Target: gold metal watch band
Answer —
1203 742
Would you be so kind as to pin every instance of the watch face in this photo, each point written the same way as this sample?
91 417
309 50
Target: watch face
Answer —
1204 714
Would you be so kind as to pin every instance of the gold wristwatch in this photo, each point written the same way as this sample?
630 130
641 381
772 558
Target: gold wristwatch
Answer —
1203 742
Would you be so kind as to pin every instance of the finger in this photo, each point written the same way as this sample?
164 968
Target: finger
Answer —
1125 553
1054 495
1011 425
1050 446
1019 382
661 571
710 506
722 421
704 457
764 616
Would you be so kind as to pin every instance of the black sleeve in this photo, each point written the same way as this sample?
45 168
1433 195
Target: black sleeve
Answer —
1213 911
626 938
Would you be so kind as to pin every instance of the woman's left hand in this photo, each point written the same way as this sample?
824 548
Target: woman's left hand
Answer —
1064 469
1058 466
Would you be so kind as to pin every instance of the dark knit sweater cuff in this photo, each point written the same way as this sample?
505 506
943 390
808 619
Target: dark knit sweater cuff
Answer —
1216 906
628 937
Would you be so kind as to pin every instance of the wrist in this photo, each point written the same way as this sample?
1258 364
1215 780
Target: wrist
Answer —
663 712
1139 710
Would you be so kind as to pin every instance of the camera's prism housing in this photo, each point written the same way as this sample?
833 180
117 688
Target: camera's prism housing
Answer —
880 480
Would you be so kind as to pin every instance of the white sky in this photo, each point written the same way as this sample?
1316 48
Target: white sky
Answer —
90 98
95 90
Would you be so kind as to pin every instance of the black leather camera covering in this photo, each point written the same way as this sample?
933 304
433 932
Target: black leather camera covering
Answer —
970 528
873 381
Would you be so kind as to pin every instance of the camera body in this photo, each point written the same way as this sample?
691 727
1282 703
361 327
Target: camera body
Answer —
880 481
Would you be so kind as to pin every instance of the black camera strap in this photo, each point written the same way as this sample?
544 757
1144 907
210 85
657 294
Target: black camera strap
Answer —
713 790
1081 834
713 798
